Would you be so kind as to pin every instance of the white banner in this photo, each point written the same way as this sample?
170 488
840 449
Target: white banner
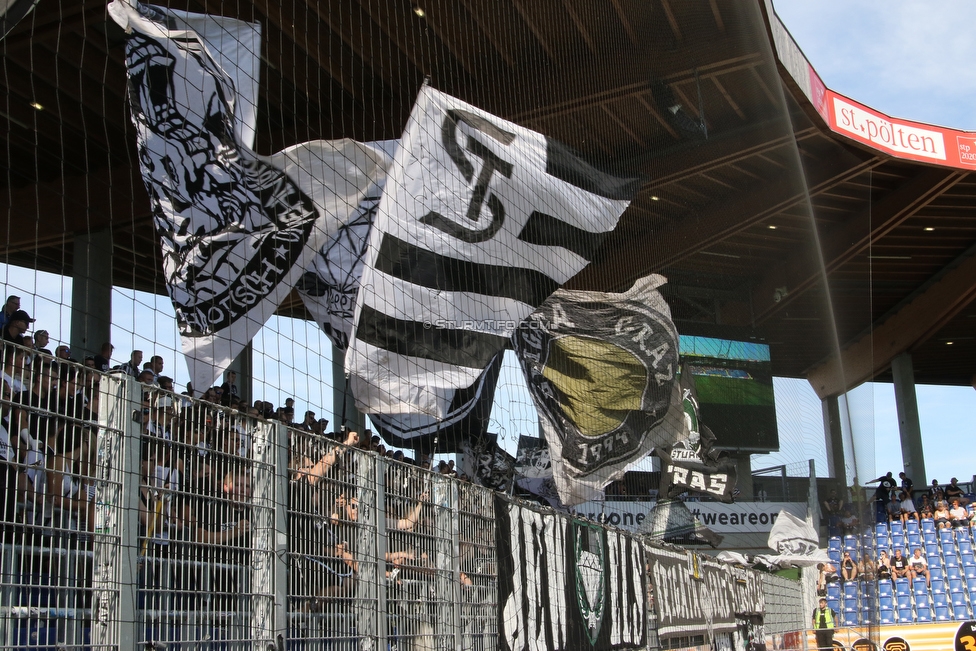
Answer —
739 517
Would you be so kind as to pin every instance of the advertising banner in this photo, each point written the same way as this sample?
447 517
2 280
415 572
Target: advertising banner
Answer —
739 517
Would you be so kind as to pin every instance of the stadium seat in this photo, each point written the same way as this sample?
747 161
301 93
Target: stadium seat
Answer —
885 589
905 615
834 556
967 557
955 585
850 544
938 585
969 571
869 589
896 527
946 537
867 540
868 617
930 538
902 587
833 543
886 616
932 550
834 604
904 601
886 601
971 585
940 599
942 614
951 560
919 586
961 611
897 540
937 572
923 614
833 591
911 527
953 572
914 540
851 589
928 525
881 529
965 546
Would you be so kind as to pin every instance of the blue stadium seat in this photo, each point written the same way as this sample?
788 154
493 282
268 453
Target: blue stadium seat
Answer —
867 540
923 614
939 599
938 585
914 540
869 617
886 616
951 559
955 585
969 571
833 591
905 615
881 541
961 611
953 572
902 587
942 614
886 602
930 538
963 534
851 589
834 556
919 586
885 589
834 604
946 537
850 543
896 527
965 546
911 527
932 550
897 540
967 558
937 572
904 601
928 525
869 590
881 529
834 543
971 584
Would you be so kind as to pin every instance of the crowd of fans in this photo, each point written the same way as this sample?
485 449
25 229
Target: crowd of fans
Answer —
195 501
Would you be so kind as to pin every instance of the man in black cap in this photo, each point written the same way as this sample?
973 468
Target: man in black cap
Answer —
17 326
824 622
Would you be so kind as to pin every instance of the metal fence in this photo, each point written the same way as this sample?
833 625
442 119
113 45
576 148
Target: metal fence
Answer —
137 518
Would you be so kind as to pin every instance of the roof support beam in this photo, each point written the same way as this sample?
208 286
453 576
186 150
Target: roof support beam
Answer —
906 329
799 271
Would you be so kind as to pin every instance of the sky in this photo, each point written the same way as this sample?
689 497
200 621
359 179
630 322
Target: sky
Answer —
907 59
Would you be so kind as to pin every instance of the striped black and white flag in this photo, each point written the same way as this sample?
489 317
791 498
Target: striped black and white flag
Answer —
481 220
236 229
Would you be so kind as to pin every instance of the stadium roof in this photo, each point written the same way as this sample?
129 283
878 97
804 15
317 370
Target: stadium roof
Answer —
734 140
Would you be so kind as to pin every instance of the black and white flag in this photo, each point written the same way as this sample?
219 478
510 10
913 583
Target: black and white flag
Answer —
480 221
601 369
566 584
236 229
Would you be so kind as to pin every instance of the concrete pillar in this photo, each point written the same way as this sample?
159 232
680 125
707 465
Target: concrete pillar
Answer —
344 410
91 293
834 438
911 431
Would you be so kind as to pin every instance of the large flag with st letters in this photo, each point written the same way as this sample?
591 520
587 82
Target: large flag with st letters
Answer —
480 221
236 229
601 369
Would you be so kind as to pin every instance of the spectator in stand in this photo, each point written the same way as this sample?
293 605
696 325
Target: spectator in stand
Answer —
103 358
941 515
849 522
63 353
41 341
832 508
958 514
925 507
165 383
11 306
883 495
134 365
936 492
894 507
919 566
954 491
229 387
867 569
16 326
308 424
908 510
906 483
899 566
145 377
848 568
884 566
156 365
